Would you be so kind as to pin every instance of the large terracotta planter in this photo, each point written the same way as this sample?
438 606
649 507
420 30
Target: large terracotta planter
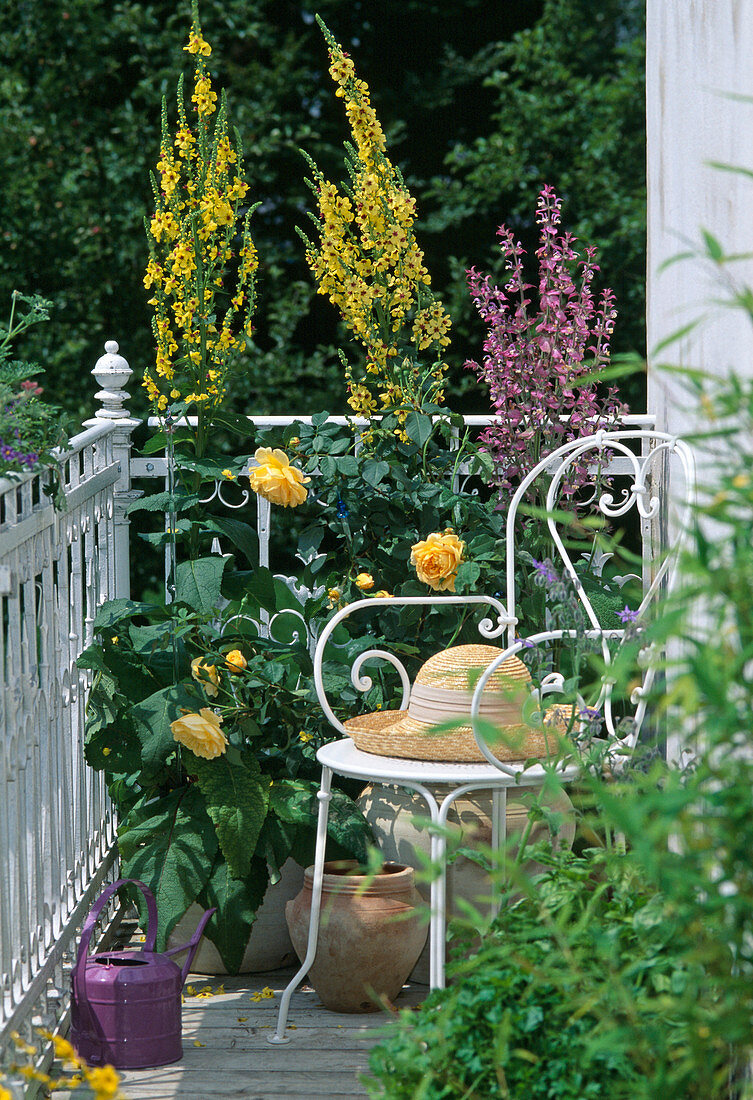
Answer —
268 946
371 932
393 812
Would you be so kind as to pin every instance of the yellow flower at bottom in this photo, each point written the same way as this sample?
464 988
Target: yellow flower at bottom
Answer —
200 733
437 558
383 593
103 1081
207 675
364 581
276 480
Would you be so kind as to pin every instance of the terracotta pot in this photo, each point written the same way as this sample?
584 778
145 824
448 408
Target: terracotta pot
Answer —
268 946
370 934
392 813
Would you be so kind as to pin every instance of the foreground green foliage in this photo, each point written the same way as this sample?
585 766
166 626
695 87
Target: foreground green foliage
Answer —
628 973
573 994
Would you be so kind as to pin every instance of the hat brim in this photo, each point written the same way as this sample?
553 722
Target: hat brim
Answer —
396 733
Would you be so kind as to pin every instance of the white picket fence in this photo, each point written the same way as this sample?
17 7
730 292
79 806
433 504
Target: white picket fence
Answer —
57 832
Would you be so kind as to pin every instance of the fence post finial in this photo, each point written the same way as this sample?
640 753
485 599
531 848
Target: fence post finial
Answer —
112 373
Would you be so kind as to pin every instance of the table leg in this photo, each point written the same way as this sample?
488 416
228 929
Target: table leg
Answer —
324 797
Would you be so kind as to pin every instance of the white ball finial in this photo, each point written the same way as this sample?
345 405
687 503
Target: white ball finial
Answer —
112 373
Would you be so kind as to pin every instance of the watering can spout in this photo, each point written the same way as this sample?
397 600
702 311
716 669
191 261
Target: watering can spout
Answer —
192 944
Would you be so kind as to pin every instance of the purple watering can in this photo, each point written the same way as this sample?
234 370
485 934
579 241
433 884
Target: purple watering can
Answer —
126 1004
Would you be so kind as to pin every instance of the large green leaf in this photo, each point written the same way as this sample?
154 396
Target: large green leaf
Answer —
236 800
236 902
198 583
165 502
277 840
256 584
419 427
294 801
152 718
170 844
114 611
242 535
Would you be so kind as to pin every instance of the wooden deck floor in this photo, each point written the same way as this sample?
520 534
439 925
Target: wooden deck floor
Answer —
226 1052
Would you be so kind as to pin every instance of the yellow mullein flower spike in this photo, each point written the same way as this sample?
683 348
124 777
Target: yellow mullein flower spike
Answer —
193 233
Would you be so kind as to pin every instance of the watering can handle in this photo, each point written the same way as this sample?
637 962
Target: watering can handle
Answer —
192 944
79 972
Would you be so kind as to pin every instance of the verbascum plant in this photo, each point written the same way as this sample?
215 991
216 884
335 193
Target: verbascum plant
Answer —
203 290
370 267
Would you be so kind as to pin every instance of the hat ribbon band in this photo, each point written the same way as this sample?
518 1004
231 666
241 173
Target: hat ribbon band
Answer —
434 705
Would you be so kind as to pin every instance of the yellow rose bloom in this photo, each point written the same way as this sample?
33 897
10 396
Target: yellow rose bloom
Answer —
384 593
200 733
207 675
437 558
334 595
364 581
235 660
276 480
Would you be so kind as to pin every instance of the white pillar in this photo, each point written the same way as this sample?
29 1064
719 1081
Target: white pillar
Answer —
112 373
698 58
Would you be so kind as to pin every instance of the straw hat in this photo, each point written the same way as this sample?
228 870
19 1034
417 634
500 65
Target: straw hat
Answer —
442 692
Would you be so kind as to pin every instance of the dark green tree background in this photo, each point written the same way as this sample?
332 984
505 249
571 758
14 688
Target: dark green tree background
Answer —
482 105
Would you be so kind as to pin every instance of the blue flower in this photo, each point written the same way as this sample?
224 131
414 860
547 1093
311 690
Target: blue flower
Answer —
627 615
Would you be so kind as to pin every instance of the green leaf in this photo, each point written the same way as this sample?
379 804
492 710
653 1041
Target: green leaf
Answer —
714 249
236 901
123 756
170 844
347 466
163 502
373 472
114 611
418 427
294 801
199 583
152 718
309 541
277 840
242 535
239 425
319 418
236 800
158 442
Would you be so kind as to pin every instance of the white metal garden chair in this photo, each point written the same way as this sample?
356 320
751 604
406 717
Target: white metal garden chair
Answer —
639 465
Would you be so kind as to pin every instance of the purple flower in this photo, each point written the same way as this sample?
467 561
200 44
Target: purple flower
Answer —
544 573
627 615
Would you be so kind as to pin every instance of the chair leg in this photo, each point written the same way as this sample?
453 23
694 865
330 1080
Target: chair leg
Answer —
437 929
324 797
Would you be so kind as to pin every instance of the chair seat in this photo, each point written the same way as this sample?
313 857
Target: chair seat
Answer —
343 758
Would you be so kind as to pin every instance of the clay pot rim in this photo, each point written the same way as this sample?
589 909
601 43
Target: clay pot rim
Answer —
348 876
